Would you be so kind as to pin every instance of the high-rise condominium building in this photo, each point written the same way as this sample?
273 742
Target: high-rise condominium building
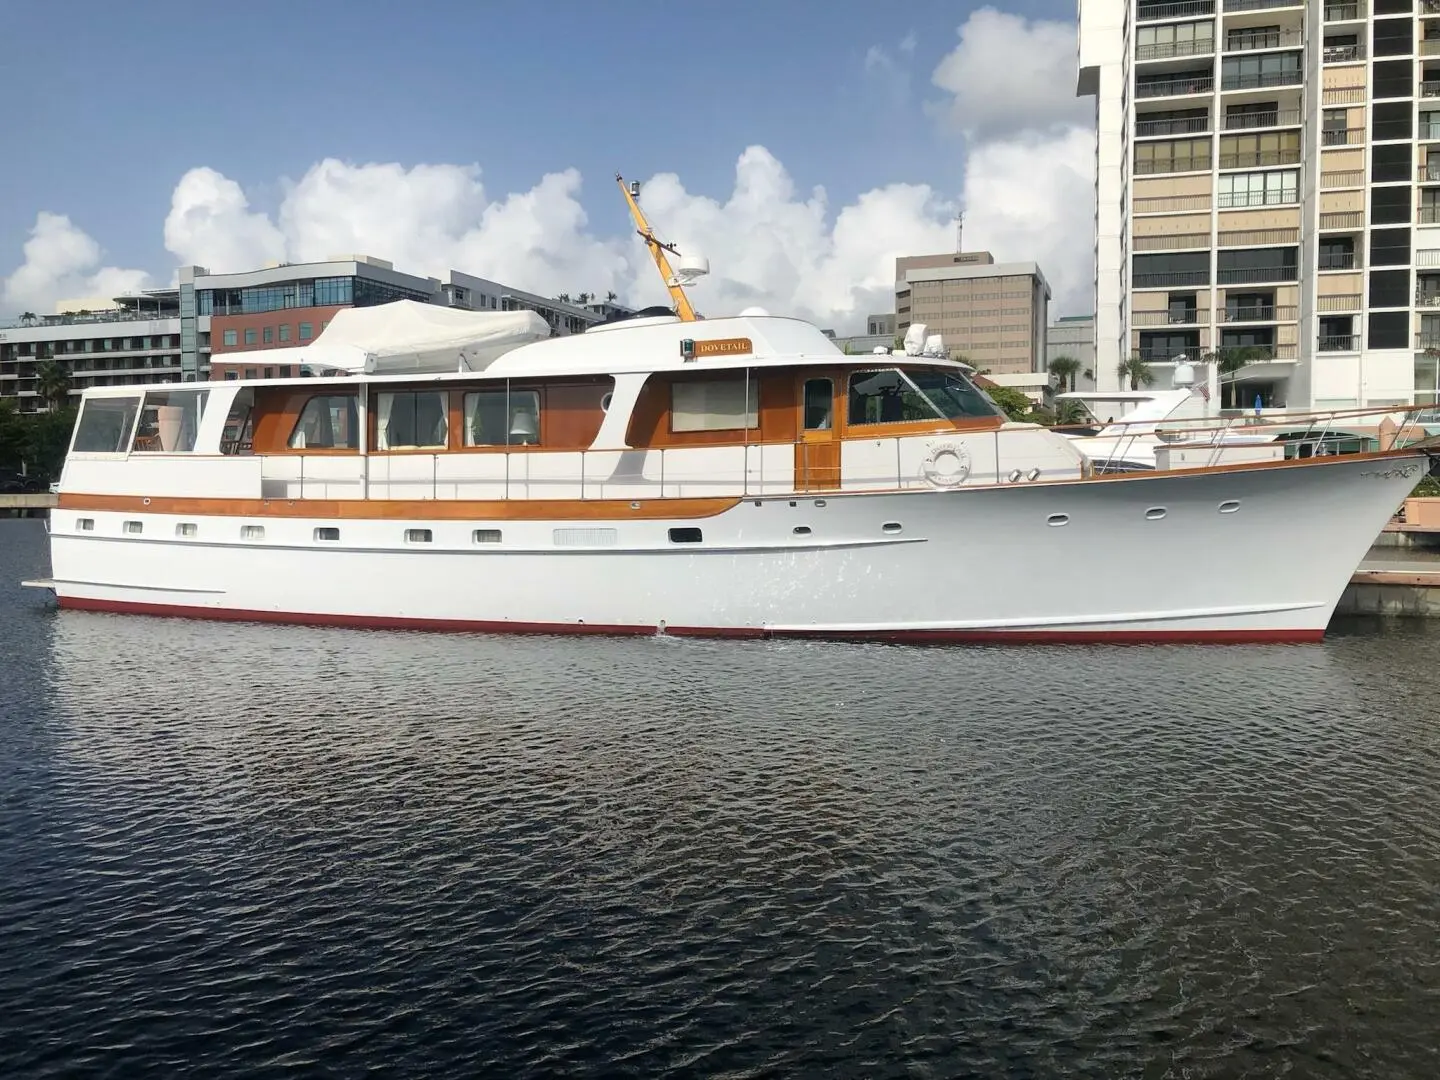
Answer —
1265 182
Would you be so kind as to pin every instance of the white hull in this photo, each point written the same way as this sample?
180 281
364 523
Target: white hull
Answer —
972 563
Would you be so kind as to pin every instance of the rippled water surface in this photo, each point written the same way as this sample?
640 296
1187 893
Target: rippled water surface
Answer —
234 850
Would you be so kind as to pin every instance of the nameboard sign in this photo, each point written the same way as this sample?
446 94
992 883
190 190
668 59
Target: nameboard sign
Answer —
724 347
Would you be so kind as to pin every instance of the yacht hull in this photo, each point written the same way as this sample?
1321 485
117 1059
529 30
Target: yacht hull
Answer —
1236 554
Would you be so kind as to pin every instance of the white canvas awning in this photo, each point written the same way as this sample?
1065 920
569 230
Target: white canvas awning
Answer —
405 337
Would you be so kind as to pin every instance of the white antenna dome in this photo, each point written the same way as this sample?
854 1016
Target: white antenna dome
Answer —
1184 374
754 312
690 268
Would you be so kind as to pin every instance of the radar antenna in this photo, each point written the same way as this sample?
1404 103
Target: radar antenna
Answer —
690 268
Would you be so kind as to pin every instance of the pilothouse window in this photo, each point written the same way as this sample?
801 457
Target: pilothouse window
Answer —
502 418
170 421
893 396
104 425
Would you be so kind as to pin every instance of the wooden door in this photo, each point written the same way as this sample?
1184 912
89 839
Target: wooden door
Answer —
817 451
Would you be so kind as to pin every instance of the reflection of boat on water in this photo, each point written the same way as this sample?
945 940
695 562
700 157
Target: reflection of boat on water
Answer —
732 476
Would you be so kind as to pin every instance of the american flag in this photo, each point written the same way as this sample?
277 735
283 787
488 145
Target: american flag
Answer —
1204 391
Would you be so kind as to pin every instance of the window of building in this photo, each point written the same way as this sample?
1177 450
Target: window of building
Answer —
893 396
1391 163
1390 247
1393 7
269 373
1258 188
1253 37
328 422
307 331
1390 205
269 335
1388 330
1334 127
1182 155
284 331
250 337
1161 345
1249 306
1267 148
1170 269
1174 39
1337 253
1242 265
230 338
104 425
1182 307
722 404
1253 114
410 419
1392 79
286 371
1392 37
1260 70
508 417
1390 120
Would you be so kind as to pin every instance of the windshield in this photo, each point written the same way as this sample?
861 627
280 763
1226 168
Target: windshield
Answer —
893 396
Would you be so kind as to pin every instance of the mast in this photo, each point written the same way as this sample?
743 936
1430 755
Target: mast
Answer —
673 282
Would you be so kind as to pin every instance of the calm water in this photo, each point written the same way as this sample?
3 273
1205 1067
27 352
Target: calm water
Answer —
263 851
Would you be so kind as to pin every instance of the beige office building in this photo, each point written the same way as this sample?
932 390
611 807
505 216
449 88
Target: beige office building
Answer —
993 314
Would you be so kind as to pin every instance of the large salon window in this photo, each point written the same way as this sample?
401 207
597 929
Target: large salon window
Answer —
727 404
328 422
104 425
170 421
892 396
502 418
411 420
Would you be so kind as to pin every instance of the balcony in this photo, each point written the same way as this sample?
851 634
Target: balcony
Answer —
1344 302
1171 204
1193 125
1343 219
1348 178
1257 237
1259 159
1183 9
1430 88
1189 84
1176 242
1338 343
1343 95
1164 356
1237 200
1342 54
1337 260
1272 352
1428 258
1342 137
1260 5
1252 40
1189 317
1429 7
1427 132
1430 47
1171 279
1249 121
1259 313
1429 172
1156 166
1429 215
1169 50
1344 12
1427 339
1255 275
1261 79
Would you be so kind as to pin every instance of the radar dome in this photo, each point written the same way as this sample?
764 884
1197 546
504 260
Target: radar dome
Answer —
754 312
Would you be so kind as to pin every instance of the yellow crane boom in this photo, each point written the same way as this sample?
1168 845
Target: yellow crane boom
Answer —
657 252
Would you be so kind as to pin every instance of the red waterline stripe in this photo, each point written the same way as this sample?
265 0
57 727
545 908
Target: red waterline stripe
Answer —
913 637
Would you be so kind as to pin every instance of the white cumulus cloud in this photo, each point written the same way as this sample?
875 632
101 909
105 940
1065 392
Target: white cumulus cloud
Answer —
62 261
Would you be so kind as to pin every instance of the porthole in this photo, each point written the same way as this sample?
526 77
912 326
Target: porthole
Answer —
252 532
418 536
1057 520
134 528
891 527
605 402
1155 513
186 528
685 536
85 524
1229 506
801 530
327 534
485 536
819 502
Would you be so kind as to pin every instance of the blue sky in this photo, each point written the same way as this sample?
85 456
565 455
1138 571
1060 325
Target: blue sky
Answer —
106 106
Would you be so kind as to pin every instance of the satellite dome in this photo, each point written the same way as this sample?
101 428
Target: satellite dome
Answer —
753 312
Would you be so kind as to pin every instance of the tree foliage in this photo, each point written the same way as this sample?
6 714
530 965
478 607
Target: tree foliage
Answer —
35 442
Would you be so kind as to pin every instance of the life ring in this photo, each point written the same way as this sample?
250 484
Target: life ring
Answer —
947 464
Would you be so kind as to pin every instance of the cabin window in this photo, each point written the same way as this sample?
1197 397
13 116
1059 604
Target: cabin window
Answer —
328 422
714 404
892 396
502 418
170 421
411 419
104 425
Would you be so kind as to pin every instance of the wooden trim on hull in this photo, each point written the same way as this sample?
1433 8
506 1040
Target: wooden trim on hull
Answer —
910 637
407 509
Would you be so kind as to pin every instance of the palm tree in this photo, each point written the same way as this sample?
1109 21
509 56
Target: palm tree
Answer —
53 384
1229 361
611 296
583 299
564 298
1063 370
28 318
1137 370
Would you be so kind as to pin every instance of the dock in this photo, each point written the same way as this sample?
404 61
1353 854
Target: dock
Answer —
28 505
